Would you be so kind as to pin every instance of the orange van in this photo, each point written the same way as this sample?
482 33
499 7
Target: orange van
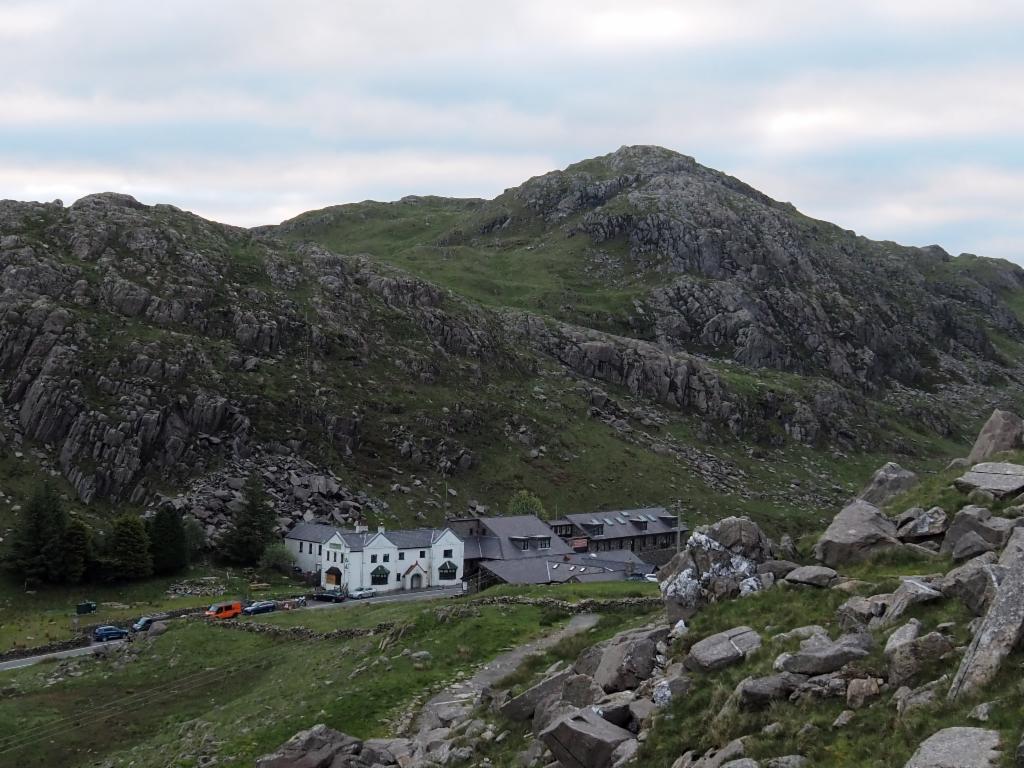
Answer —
226 610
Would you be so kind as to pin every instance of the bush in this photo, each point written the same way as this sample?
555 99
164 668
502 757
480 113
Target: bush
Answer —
277 557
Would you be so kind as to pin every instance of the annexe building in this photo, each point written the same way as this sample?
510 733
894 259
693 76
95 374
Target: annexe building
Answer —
384 560
640 531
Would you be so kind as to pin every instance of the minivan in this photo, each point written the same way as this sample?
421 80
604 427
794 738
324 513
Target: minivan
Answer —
225 610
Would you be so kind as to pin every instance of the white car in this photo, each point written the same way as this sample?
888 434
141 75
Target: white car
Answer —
651 577
361 593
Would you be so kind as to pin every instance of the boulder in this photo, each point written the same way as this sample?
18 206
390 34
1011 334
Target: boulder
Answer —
1001 479
1000 632
860 690
911 591
777 568
581 691
887 483
522 707
584 740
318 747
975 582
719 562
787 761
1004 431
907 659
828 657
723 649
812 575
759 692
909 631
971 545
978 520
859 531
624 661
958 748
917 524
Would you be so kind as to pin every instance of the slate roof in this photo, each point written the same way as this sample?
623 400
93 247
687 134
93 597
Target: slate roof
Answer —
553 570
312 532
355 541
625 523
416 538
503 535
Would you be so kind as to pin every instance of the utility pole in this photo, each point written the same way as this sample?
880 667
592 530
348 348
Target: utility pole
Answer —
679 526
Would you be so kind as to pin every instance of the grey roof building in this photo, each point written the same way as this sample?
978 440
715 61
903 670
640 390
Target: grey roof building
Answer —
636 530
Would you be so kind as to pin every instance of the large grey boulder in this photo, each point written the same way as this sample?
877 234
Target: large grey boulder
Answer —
995 531
859 531
958 748
624 661
975 582
317 747
887 483
723 649
812 575
909 658
1001 479
824 657
1000 632
759 692
584 739
522 707
718 563
1004 431
911 591
918 524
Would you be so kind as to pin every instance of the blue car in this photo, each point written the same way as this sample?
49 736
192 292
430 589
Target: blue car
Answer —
260 606
102 634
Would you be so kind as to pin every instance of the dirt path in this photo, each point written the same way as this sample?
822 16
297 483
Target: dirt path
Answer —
459 698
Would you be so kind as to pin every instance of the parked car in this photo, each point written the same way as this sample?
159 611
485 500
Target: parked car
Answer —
651 577
102 634
636 577
145 622
260 606
226 610
330 596
362 593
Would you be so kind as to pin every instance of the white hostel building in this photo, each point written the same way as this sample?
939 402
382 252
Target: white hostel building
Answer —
384 560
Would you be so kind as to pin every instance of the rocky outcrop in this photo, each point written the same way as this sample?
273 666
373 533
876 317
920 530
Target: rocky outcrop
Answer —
958 748
1004 431
1001 479
323 747
586 740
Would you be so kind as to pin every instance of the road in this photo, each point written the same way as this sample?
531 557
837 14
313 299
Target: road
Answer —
83 651
401 597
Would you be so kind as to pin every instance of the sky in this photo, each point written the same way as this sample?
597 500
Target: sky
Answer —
900 119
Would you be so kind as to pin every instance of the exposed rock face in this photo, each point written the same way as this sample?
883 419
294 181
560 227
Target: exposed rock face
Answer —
859 531
718 562
1000 632
1004 431
888 483
1001 479
958 748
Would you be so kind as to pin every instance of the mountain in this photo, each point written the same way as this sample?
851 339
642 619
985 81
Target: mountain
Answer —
634 329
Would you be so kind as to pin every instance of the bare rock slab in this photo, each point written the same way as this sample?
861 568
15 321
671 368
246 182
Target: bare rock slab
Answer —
958 748
812 575
1001 479
724 649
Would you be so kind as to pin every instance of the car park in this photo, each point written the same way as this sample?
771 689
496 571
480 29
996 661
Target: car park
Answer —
105 633
362 593
260 606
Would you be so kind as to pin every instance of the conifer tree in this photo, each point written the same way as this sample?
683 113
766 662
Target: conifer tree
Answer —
168 543
129 548
253 526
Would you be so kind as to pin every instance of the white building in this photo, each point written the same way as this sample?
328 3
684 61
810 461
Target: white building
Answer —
385 560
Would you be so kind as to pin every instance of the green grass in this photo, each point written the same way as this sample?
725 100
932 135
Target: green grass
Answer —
248 693
573 593
47 615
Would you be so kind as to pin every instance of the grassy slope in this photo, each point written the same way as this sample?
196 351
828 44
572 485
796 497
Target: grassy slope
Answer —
243 693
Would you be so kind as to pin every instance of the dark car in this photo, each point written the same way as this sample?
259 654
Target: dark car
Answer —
102 634
260 606
145 622
330 596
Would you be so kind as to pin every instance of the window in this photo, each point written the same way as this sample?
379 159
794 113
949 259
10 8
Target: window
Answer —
387 557
300 547
423 553
401 555
447 554
340 557
544 543
380 576
448 571
524 544
398 578
373 558
320 549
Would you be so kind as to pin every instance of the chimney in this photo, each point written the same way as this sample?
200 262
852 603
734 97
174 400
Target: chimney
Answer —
380 529
361 528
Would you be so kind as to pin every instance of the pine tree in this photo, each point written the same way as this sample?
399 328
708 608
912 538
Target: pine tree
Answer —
36 551
195 538
77 550
129 548
168 543
525 503
253 526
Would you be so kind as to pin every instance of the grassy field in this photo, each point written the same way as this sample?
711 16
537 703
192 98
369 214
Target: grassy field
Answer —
34 618
201 691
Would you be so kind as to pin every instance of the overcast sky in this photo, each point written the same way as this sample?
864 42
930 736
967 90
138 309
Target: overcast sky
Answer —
901 119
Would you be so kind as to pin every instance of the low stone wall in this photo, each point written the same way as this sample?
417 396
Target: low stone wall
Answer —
39 650
305 633
588 605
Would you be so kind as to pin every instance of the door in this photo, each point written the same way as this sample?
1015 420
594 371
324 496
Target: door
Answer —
416 582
